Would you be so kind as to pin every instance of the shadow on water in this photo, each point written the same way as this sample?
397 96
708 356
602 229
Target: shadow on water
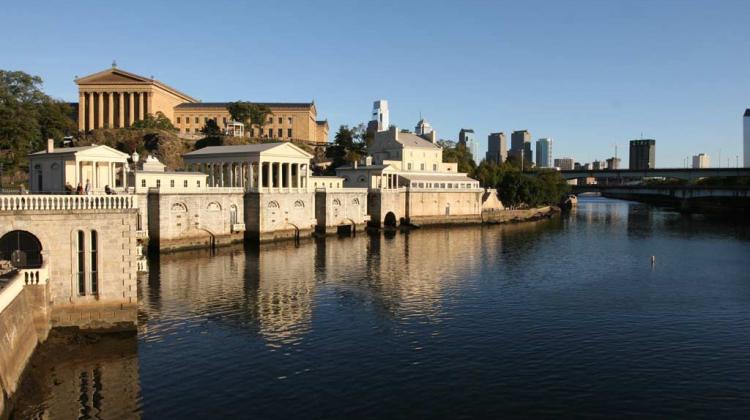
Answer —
555 317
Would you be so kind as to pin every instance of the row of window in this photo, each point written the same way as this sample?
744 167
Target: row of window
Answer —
197 120
441 185
421 167
157 184
81 267
279 133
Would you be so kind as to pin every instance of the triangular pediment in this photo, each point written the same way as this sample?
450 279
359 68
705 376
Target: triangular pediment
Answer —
101 151
287 149
113 76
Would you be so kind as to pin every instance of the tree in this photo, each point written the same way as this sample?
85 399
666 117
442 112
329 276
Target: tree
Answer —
349 145
155 122
250 114
212 135
458 153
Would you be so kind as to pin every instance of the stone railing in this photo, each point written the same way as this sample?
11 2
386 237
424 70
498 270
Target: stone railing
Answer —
12 286
238 227
66 202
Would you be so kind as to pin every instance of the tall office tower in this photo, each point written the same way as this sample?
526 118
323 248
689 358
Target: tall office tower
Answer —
613 163
466 137
380 115
642 154
544 153
701 160
497 148
746 142
520 145
565 164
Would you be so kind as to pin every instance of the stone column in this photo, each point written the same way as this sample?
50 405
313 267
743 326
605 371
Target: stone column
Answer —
270 175
90 108
149 103
297 166
280 175
131 108
120 110
141 108
289 176
100 111
250 175
110 110
260 175
81 111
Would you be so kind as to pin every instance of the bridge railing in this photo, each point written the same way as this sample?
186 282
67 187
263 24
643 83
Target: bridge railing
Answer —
27 202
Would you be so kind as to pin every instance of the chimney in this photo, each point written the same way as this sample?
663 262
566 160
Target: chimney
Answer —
50 145
394 131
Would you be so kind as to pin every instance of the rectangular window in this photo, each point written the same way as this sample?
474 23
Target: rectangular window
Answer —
94 262
198 183
171 183
290 120
270 120
81 264
185 183
421 166
281 120
281 132
289 133
408 166
196 120
143 183
434 167
270 132
178 120
158 183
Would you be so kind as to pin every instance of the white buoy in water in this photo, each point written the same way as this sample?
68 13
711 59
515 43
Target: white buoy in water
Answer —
653 260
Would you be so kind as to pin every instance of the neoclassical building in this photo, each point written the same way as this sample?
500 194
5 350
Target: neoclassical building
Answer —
114 98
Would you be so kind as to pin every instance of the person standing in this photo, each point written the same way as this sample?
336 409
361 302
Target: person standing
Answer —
79 189
87 190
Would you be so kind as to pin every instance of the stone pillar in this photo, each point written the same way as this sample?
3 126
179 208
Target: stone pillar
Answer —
141 108
150 103
120 110
270 175
297 166
81 111
260 175
289 176
250 175
131 108
100 110
90 108
280 175
110 110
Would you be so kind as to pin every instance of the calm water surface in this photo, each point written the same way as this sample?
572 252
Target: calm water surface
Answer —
565 317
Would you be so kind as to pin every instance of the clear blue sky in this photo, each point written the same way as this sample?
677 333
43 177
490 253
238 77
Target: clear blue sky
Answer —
588 73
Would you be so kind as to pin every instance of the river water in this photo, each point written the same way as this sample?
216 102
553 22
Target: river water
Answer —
559 318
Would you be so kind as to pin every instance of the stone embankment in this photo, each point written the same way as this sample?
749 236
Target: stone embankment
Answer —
516 216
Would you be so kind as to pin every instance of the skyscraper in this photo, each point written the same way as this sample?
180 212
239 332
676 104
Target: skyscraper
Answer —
642 154
746 142
701 160
565 164
466 137
380 115
613 163
424 130
520 145
497 148
544 153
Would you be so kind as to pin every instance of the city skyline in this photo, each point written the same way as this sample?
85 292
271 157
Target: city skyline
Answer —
608 86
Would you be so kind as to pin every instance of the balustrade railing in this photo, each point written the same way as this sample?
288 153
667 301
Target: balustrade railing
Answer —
66 202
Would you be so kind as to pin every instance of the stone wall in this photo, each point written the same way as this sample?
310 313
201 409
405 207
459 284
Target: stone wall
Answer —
275 216
192 220
382 202
340 207
443 206
57 230
23 325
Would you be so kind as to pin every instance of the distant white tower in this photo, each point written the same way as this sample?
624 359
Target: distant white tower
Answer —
380 114
746 142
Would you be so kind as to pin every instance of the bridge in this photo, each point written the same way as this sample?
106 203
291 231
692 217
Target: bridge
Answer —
676 173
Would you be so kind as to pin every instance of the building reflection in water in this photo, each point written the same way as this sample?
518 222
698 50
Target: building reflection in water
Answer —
82 377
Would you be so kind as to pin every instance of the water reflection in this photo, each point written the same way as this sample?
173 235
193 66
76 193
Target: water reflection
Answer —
522 320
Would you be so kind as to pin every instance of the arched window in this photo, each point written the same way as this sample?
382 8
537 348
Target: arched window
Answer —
355 201
81 262
179 207
336 202
214 206
233 214
299 204
22 249
273 205
94 262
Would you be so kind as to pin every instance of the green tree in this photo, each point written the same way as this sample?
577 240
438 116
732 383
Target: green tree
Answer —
212 135
155 122
251 114
458 153
349 145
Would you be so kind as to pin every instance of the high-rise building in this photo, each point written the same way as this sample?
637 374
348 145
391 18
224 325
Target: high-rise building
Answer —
613 163
380 115
701 160
598 165
497 148
544 153
520 146
642 154
425 130
466 137
565 164
746 142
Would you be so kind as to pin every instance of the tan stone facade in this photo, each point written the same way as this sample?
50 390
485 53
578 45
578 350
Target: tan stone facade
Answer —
114 98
